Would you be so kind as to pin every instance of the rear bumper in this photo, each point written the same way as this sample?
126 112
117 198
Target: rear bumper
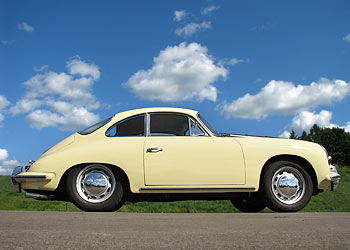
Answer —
22 179
334 177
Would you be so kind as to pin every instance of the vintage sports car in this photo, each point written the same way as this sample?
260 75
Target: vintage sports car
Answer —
168 154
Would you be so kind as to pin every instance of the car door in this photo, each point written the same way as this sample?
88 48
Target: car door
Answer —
178 152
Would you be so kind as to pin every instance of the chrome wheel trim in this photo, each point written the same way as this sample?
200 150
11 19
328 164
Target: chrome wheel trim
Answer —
95 183
288 185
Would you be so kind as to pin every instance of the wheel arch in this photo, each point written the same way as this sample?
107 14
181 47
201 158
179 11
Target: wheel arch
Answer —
61 189
296 159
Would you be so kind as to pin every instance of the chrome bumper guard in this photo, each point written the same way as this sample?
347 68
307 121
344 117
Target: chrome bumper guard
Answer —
17 186
334 178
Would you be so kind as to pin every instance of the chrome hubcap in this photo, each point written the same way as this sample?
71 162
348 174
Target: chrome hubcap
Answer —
95 183
288 185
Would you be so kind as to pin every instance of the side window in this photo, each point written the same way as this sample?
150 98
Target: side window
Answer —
196 129
168 125
134 126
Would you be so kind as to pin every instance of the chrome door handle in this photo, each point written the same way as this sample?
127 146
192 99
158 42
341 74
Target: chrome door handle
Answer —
154 150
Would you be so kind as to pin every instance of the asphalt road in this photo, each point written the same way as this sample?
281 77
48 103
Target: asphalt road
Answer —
69 230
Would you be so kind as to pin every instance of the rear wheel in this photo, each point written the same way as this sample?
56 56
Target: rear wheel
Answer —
287 187
95 187
252 203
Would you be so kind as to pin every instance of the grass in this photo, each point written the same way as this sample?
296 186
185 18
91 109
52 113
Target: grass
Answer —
337 201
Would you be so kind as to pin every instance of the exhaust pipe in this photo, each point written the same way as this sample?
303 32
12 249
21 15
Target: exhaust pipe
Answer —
37 196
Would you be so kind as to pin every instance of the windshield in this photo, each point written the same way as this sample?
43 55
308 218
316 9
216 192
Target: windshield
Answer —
207 124
94 127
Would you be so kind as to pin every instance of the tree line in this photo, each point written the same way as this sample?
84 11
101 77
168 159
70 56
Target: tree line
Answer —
335 140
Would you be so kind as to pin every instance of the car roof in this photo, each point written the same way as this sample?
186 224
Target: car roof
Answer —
133 112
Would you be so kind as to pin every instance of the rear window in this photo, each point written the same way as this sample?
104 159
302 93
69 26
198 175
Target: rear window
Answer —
95 127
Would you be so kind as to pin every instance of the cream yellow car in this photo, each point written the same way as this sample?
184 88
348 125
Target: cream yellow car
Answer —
169 154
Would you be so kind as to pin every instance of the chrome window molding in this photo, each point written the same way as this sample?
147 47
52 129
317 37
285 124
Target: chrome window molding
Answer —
148 124
127 119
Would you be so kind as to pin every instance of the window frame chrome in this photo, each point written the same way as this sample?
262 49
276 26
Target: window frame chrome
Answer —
189 117
127 119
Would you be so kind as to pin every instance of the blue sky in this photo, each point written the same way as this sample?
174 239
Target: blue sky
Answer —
250 67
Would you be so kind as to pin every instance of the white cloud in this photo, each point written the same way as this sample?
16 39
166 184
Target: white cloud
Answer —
209 9
3 154
306 119
285 134
76 66
347 38
69 120
179 15
25 26
10 163
41 68
6 166
233 61
3 104
191 28
61 99
179 73
25 105
285 98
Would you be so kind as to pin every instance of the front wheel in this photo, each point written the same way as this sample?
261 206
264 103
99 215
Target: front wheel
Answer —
287 187
95 188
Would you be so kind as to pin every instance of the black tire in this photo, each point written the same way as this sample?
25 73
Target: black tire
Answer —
95 188
251 203
287 186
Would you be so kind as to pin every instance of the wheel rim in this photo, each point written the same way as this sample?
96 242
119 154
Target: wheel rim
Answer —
288 185
95 183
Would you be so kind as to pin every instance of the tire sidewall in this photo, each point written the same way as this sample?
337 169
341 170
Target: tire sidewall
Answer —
114 202
270 198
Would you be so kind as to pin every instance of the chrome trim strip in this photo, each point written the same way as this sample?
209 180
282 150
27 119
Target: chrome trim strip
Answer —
31 177
336 177
198 189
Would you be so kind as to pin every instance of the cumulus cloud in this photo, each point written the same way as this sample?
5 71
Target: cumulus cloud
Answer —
3 104
233 61
306 119
6 166
25 27
347 38
179 73
286 98
209 9
41 68
3 154
61 99
76 66
191 28
179 15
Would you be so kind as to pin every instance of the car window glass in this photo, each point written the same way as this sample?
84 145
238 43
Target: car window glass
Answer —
95 127
195 129
130 127
168 125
